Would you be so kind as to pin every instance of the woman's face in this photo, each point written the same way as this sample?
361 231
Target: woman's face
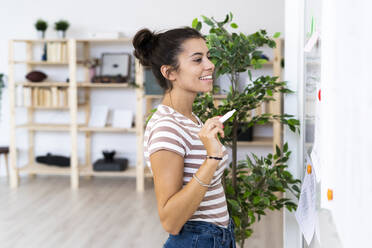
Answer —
195 72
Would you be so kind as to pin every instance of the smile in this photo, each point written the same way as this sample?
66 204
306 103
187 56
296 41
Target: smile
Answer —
206 77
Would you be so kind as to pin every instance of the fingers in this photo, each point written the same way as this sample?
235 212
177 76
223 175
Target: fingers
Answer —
213 122
215 131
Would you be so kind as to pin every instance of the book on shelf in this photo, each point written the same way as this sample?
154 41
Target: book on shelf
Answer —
27 96
42 97
19 96
54 95
57 52
62 97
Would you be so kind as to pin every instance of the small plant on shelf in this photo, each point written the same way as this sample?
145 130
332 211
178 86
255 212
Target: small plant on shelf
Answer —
61 27
41 26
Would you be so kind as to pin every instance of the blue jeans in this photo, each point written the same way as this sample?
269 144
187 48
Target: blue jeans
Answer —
201 234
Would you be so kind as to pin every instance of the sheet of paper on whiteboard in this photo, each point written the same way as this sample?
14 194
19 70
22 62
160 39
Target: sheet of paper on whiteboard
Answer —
306 213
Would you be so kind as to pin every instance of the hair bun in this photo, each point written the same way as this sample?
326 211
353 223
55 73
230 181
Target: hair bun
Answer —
144 43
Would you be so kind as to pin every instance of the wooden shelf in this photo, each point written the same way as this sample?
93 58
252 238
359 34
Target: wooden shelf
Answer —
129 172
82 128
45 127
104 85
49 107
41 169
90 40
43 84
40 40
107 129
258 141
33 62
79 84
98 40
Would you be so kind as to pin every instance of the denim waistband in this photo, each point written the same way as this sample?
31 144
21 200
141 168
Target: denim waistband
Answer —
213 229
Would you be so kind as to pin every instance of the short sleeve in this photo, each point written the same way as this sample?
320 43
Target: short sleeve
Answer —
166 135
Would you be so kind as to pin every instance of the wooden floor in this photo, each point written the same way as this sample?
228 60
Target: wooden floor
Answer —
103 212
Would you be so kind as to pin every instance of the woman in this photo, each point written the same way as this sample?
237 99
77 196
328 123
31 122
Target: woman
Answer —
186 157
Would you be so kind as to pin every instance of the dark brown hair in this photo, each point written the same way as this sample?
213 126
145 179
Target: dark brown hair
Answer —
157 49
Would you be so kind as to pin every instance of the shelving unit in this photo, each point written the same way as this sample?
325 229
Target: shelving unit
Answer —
274 107
73 128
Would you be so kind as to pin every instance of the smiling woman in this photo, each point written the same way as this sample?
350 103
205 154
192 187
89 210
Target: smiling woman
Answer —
186 157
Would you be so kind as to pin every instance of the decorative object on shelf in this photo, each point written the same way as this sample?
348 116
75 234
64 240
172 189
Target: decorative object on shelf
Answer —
61 27
233 53
91 64
109 79
109 163
36 76
116 65
122 118
41 26
245 133
151 85
98 116
57 160
108 155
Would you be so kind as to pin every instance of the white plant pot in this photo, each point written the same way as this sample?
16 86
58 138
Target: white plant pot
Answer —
61 34
40 34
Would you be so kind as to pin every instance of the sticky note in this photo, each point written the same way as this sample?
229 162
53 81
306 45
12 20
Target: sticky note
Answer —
330 195
308 169
320 95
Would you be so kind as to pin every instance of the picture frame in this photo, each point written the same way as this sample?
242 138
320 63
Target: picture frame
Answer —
116 65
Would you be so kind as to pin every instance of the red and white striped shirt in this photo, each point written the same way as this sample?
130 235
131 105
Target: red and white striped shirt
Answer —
172 131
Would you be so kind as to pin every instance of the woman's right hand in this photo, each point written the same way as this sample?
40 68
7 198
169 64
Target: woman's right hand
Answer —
209 138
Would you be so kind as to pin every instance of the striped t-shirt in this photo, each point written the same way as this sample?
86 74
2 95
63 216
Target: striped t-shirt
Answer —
172 131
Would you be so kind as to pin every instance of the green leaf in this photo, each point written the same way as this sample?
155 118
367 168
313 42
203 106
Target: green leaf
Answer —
234 204
262 61
285 148
231 16
277 150
194 23
256 200
199 26
276 35
250 75
208 21
236 221
248 233
234 25
226 19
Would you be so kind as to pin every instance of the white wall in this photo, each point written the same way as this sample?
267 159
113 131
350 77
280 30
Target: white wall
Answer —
18 16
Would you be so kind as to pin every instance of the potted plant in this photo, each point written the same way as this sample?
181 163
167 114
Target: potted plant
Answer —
61 27
41 26
92 64
252 186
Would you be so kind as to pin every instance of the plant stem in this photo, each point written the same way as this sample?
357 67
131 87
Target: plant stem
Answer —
234 154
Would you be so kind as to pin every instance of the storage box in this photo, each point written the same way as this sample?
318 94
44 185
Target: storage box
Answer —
118 164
